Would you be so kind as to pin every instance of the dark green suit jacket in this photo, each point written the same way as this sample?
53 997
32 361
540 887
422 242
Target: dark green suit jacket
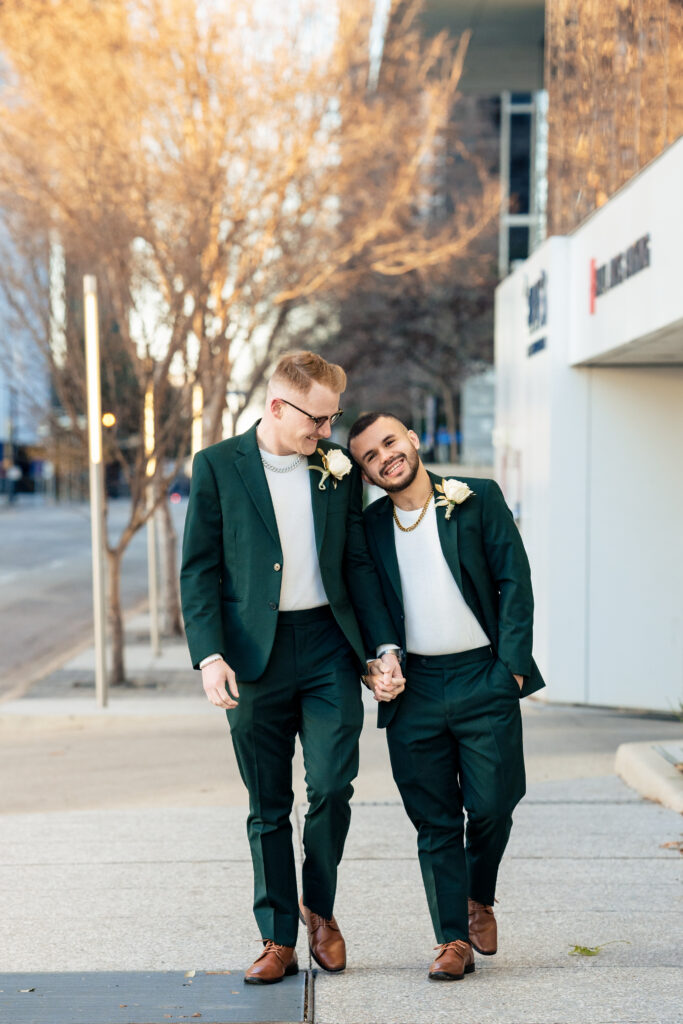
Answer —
230 585
485 553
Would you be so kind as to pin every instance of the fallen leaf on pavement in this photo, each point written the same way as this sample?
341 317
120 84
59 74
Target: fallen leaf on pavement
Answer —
594 950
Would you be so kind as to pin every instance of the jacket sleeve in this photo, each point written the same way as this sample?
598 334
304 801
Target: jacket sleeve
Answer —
362 580
202 560
509 567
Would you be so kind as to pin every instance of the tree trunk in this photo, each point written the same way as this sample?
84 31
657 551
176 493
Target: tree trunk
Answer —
213 411
171 618
117 673
451 422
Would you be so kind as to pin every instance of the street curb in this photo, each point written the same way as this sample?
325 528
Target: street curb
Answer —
78 713
21 681
644 768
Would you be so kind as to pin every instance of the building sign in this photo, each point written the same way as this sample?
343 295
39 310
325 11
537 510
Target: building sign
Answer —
537 300
537 311
536 346
619 268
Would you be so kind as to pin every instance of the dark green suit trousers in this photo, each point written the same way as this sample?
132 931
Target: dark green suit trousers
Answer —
455 743
310 687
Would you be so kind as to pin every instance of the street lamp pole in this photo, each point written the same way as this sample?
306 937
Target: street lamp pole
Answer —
92 357
152 582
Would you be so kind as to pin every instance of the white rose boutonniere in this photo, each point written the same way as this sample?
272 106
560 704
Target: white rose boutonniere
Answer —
334 464
454 493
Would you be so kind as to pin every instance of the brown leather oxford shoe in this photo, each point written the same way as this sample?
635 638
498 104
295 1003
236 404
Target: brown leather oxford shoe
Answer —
454 960
274 963
326 942
483 928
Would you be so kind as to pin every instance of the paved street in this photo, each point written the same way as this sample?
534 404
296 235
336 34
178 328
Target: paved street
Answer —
46 582
134 859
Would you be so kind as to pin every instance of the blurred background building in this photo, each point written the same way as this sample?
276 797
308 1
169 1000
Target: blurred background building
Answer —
503 81
589 361
426 348
24 395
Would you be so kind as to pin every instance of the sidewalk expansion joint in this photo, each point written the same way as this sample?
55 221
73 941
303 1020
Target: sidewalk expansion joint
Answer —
155 997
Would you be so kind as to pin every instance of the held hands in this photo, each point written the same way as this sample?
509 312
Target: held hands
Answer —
215 676
385 677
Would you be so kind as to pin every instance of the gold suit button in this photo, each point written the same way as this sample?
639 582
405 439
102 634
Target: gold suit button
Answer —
277 567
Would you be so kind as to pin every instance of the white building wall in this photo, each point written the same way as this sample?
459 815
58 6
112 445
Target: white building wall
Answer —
568 402
633 598
588 458
537 431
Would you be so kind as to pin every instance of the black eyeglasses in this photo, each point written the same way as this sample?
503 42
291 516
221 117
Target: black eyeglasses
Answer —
318 420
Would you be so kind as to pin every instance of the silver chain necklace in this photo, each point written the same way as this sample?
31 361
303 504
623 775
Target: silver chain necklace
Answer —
282 469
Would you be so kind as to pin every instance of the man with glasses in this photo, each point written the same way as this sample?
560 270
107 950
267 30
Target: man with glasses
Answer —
281 605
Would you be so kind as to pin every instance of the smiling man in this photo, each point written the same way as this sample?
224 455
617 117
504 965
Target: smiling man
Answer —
281 602
457 585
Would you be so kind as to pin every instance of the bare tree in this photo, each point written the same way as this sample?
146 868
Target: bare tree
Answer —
614 76
406 339
400 344
218 172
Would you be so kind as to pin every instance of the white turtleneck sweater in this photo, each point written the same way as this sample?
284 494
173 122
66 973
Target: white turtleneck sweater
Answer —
302 586
438 619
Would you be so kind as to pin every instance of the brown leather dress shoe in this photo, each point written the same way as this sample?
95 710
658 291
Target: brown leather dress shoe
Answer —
274 963
483 928
454 960
326 942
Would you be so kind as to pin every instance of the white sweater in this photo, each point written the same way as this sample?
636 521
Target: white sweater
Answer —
438 619
302 585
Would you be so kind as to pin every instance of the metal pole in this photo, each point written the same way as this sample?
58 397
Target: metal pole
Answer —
504 224
92 356
152 583
152 577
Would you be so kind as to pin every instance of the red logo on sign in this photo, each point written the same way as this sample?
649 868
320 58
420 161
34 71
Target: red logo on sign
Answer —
593 286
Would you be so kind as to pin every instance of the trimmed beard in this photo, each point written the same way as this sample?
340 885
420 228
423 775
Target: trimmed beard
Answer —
396 488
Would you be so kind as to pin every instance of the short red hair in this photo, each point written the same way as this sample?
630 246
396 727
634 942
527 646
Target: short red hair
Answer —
302 369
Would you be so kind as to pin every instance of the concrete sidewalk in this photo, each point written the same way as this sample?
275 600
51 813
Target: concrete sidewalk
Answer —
124 849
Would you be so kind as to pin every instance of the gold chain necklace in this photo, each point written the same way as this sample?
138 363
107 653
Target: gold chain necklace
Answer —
423 513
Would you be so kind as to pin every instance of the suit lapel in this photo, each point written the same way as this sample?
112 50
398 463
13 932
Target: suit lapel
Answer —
250 468
384 534
319 500
448 535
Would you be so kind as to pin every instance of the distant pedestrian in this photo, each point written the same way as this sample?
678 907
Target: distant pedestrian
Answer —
456 581
14 475
281 604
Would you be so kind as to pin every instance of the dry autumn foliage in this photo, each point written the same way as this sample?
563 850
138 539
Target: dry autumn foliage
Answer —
219 167
614 73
